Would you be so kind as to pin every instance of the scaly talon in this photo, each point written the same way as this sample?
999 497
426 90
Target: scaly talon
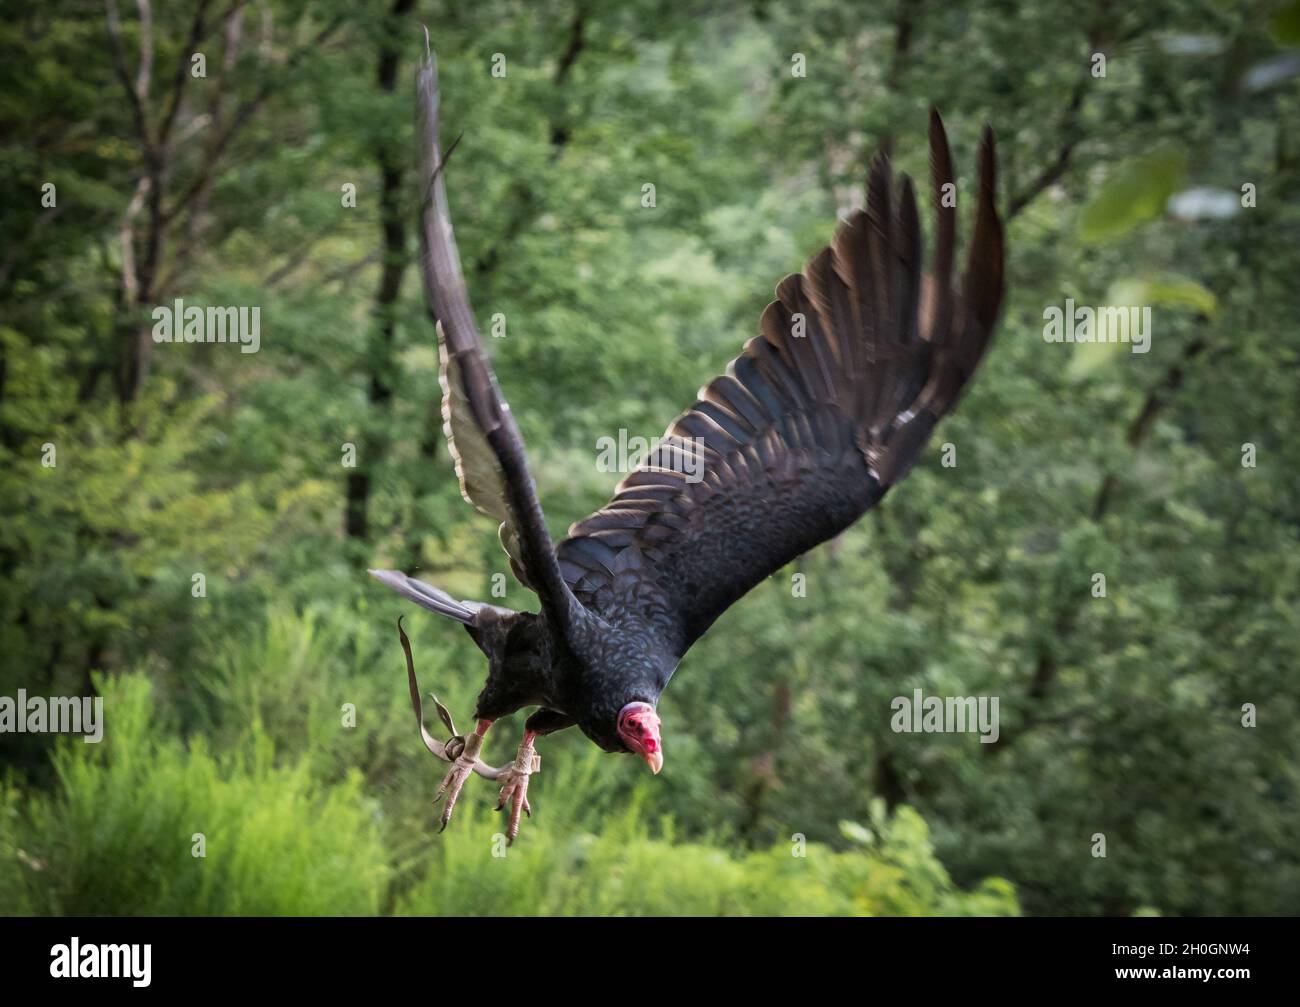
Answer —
456 776
515 789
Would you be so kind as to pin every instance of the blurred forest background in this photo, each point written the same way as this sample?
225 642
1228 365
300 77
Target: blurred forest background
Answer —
1120 715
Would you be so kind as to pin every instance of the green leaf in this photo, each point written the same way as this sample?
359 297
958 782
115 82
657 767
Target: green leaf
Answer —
857 833
1169 290
1135 192
1285 24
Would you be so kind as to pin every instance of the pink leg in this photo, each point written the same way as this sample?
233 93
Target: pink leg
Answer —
461 770
515 789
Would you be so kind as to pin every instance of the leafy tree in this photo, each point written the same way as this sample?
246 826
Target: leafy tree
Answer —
187 515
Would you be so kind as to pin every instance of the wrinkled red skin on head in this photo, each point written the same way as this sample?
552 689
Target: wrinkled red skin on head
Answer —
638 727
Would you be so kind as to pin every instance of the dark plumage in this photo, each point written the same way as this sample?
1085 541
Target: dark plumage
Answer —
857 359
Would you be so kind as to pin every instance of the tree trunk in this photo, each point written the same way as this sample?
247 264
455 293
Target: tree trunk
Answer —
379 351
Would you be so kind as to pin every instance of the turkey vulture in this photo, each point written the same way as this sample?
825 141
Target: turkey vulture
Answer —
821 413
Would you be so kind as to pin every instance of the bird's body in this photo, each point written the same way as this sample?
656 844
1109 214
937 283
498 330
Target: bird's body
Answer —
825 409
581 676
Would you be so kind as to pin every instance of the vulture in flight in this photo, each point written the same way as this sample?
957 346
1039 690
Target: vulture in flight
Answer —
822 412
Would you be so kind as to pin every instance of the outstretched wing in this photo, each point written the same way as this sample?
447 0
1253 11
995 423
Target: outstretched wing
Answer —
858 358
484 439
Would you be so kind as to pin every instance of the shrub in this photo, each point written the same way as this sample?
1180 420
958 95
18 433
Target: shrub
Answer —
117 837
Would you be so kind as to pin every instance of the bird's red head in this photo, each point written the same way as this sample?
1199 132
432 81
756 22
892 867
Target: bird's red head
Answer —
638 728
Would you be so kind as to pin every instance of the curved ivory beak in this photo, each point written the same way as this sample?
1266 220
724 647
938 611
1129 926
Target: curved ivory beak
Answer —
655 760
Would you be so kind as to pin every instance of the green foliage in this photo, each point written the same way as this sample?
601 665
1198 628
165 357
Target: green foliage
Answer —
1285 25
1137 192
624 872
1120 715
15 862
1168 291
118 835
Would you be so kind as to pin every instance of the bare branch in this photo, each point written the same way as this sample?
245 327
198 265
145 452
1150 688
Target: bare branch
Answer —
302 252
146 49
1056 170
124 75
126 235
524 197
181 74
1069 124
243 115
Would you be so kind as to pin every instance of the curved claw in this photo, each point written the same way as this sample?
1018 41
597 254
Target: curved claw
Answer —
515 789
451 786
466 762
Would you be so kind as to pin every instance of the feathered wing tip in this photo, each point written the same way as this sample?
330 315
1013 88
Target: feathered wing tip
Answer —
957 329
428 596
963 347
879 232
862 328
937 310
907 245
983 290
489 452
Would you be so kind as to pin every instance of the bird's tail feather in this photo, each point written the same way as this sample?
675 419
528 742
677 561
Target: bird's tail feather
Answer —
428 596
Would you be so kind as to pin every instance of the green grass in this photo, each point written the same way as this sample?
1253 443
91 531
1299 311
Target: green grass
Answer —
119 834
289 829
